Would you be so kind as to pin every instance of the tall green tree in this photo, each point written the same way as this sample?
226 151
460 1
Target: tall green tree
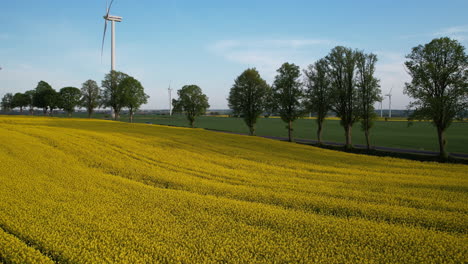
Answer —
45 97
134 95
368 91
114 95
318 92
439 84
270 106
69 99
20 100
247 97
287 94
90 96
30 95
345 103
7 102
192 101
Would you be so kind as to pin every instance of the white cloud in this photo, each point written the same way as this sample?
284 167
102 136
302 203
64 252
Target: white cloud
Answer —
267 55
457 32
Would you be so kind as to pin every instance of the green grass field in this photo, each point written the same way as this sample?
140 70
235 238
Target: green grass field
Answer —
395 134
421 135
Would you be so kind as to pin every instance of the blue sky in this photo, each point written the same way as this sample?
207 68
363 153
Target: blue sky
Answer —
209 43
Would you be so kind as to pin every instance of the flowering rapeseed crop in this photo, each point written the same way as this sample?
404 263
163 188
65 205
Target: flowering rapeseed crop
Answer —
90 191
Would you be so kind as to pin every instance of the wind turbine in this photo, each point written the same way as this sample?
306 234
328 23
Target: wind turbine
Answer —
381 111
170 99
113 19
390 103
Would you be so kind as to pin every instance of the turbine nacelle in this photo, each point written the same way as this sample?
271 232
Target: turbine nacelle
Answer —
112 18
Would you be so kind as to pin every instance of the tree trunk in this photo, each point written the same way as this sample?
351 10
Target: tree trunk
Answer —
31 111
69 114
442 143
252 130
367 134
290 131
90 112
116 115
45 111
192 123
348 144
319 132
21 109
130 118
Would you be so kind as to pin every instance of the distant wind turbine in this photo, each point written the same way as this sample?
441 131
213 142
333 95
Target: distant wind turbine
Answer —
381 111
113 19
390 103
170 99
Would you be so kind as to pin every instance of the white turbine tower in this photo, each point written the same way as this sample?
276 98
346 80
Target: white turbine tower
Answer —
170 99
113 19
390 103
381 111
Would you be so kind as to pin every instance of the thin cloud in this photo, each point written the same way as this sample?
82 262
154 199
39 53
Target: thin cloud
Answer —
456 32
268 54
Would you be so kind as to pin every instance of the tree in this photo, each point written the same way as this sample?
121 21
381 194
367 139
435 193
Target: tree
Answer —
247 97
7 102
191 101
134 95
345 103
30 95
113 93
287 94
69 99
20 100
439 84
368 91
270 106
90 96
45 97
318 95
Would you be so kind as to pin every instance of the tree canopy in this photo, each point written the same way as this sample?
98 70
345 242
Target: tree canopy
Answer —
20 100
342 66
287 94
134 94
368 91
247 97
439 84
45 97
90 96
318 92
191 101
114 94
69 99
7 102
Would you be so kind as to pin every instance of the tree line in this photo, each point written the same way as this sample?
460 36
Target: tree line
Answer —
119 90
344 82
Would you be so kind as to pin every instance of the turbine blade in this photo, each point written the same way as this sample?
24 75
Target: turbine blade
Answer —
103 38
108 9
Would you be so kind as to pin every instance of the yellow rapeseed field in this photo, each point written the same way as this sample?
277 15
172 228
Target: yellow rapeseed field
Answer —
90 191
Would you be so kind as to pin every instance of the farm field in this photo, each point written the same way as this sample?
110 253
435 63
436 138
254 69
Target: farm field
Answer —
94 191
394 134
